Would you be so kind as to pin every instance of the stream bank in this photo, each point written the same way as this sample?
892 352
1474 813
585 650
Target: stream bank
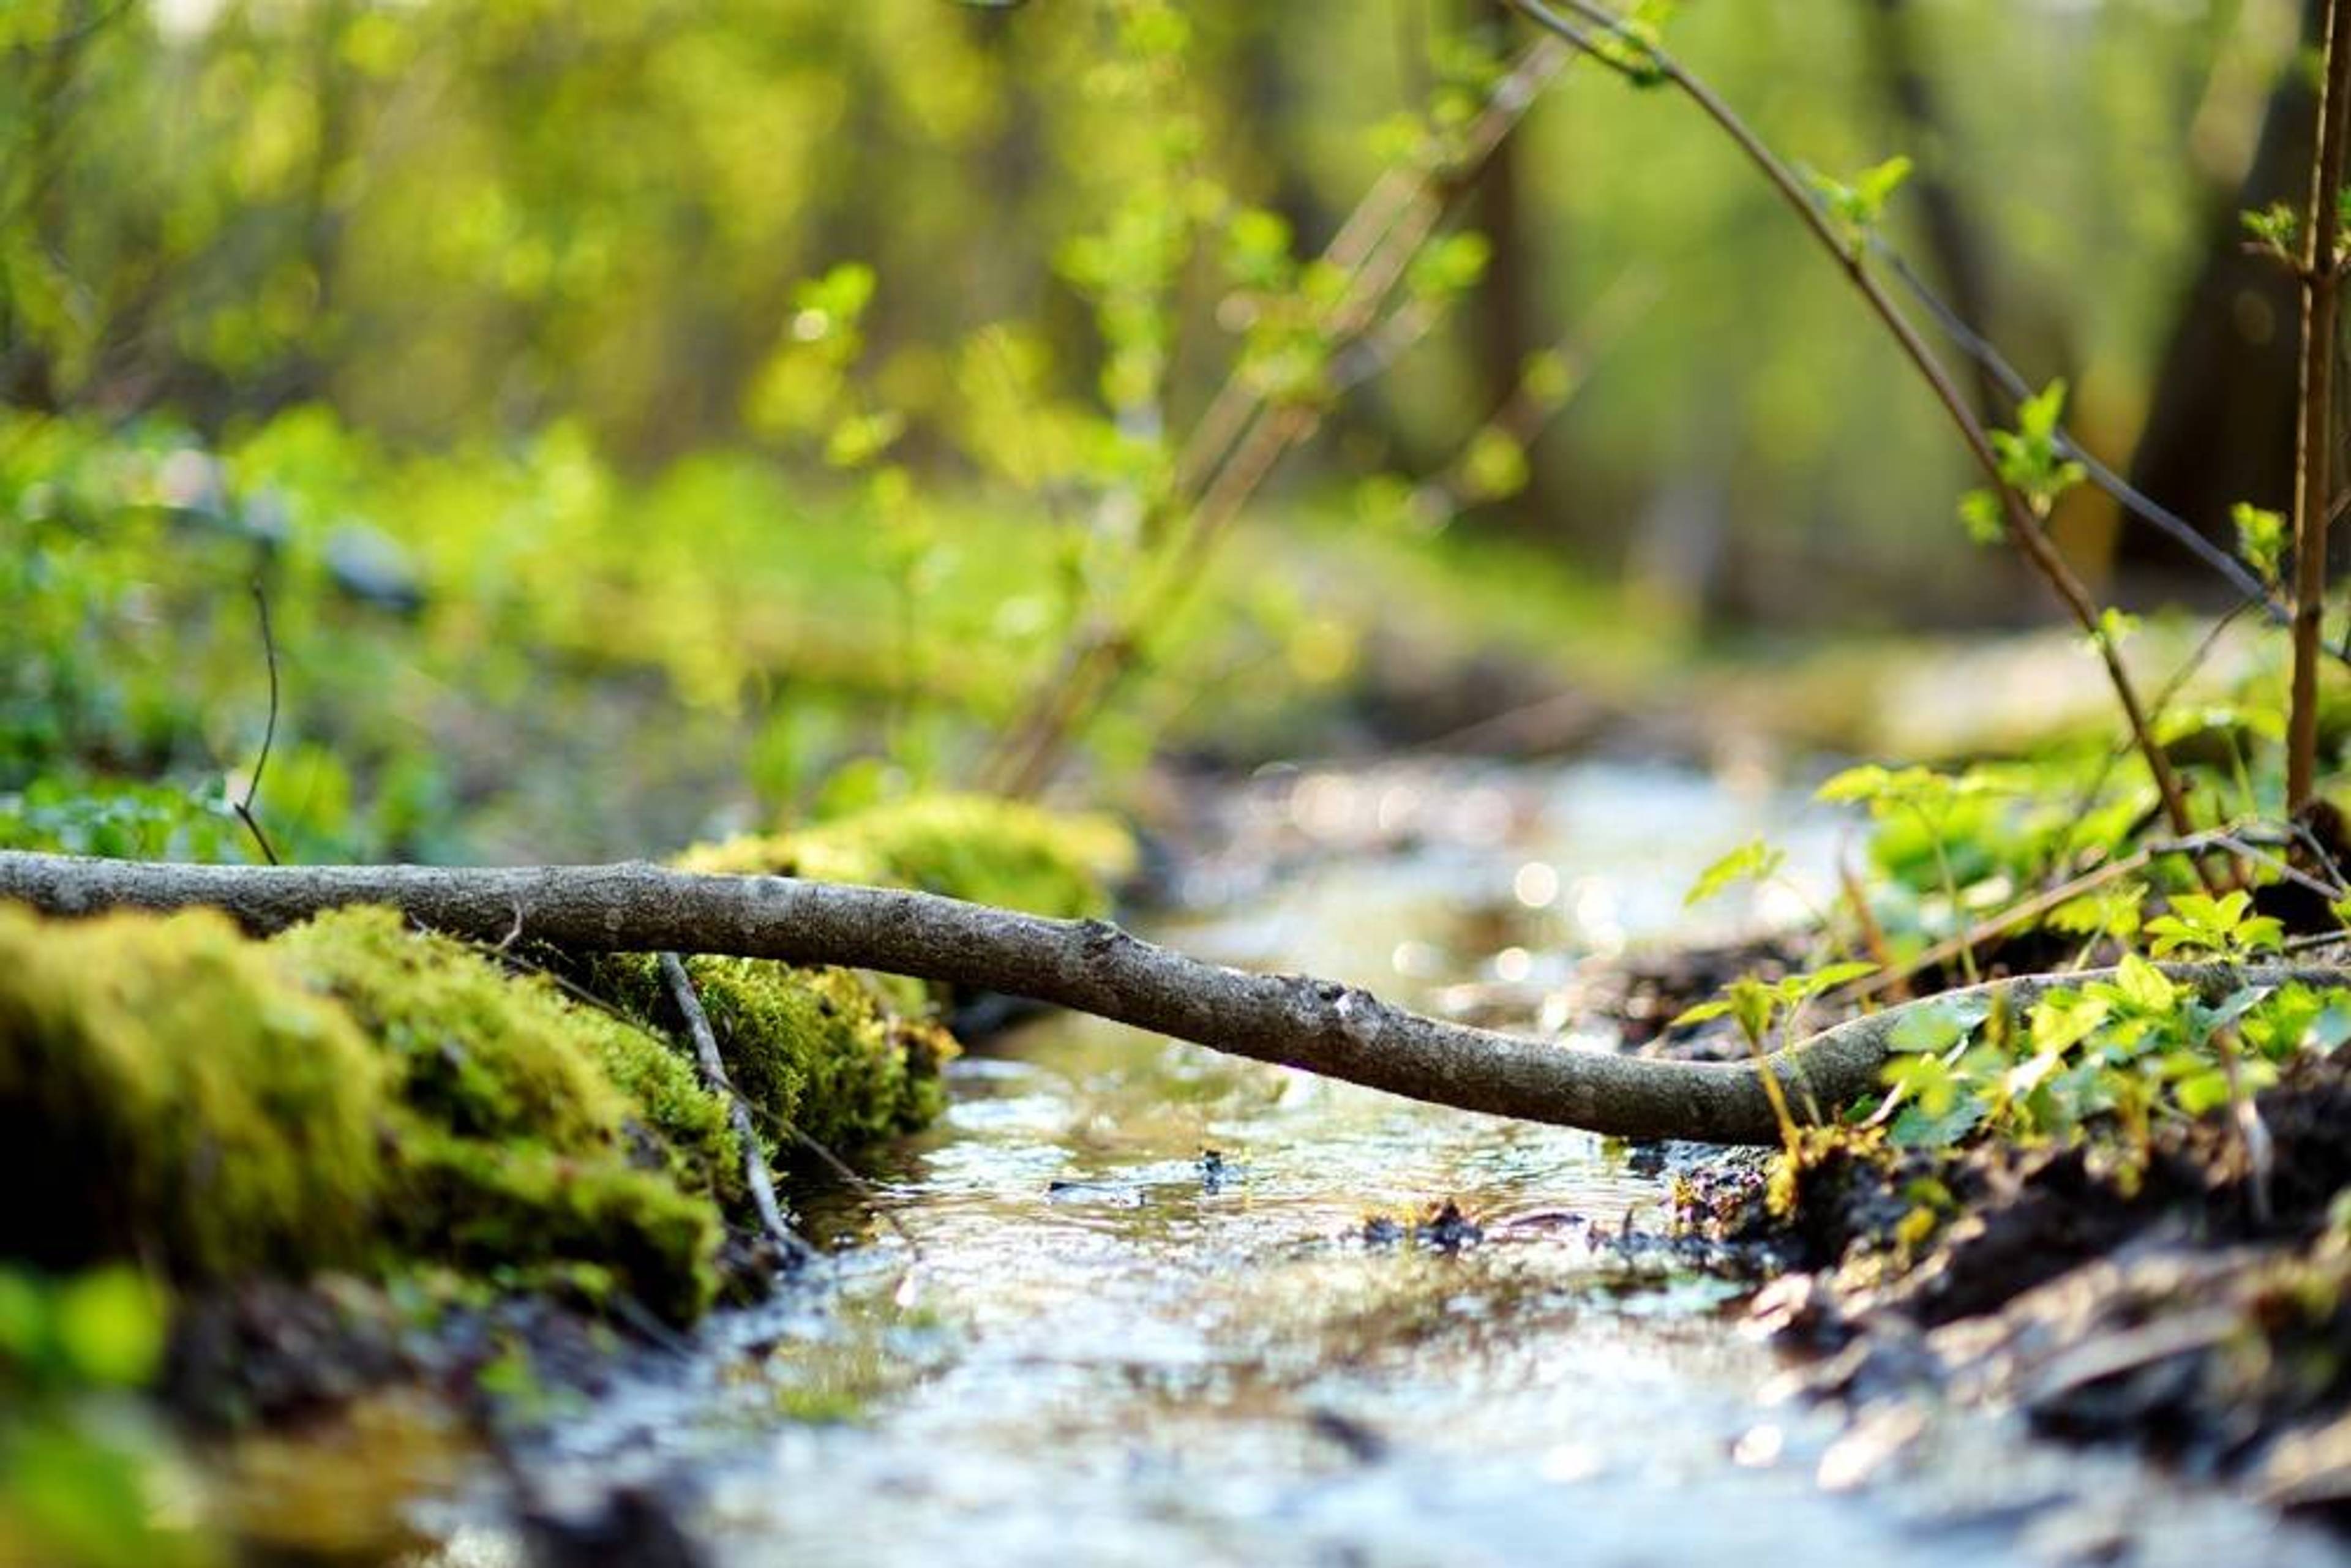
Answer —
1131 1302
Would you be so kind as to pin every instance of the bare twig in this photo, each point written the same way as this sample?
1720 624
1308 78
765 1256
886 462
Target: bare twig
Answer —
713 1078
1293 1020
2128 497
2313 466
269 732
2023 526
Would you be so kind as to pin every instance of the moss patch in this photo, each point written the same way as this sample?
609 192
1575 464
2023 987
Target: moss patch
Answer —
972 847
813 1050
355 1093
527 1131
848 1059
167 1093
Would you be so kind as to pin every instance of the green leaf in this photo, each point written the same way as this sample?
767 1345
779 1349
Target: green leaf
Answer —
1982 515
2276 228
1939 1025
2037 416
1752 1003
2202 1091
2260 539
1754 860
2143 986
1914 1129
1828 978
2062 1018
1869 782
1924 1077
1701 1013
109 1326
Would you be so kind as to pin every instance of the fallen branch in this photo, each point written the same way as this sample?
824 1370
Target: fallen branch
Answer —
1094 967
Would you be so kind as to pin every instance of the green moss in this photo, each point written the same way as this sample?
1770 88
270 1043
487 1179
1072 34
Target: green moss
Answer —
971 847
693 1125
518 1206
354 1094
473 1048
530 1131
813 1050
167 1093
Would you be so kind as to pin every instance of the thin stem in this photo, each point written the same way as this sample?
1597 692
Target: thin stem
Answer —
712 1069
243 807
1240 437
2023 526
2314 466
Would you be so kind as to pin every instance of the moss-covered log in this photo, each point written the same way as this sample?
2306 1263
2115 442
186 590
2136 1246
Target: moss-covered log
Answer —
359 1095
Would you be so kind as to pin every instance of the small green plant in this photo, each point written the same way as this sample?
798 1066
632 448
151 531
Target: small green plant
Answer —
2107 1058
2200 925
1763 1009
1857 206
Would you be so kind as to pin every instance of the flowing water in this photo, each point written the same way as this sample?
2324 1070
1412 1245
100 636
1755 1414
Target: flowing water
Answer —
1124 1305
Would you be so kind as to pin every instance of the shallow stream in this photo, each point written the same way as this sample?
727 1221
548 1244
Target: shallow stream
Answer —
1123 1306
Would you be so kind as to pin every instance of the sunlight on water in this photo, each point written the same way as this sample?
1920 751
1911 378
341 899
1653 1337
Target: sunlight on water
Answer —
1121 1308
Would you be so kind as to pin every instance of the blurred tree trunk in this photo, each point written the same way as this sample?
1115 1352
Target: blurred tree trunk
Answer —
2221 426
1508 321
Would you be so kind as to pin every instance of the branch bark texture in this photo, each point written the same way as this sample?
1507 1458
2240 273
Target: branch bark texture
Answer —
1094 967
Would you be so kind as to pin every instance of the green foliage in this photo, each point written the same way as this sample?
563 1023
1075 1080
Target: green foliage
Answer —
122 820
2260 539
516 1145
2032 460
2106 1058
1757 1005
814 1051
1857 207
2201 925
101 1329
1983 516
78 1468
532 1215
2276 229
1754 860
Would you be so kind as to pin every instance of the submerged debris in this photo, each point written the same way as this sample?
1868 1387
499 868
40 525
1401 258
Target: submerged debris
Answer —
1443 1226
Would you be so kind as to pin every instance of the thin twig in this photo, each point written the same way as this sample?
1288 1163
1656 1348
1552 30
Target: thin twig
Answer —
857 1181
2023 523
2132 499
2313 466
269 735
715 1079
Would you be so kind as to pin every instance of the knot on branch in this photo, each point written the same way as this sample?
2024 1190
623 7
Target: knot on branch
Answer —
1360 1015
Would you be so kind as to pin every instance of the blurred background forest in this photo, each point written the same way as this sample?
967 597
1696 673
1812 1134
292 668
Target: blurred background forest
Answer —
647 418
